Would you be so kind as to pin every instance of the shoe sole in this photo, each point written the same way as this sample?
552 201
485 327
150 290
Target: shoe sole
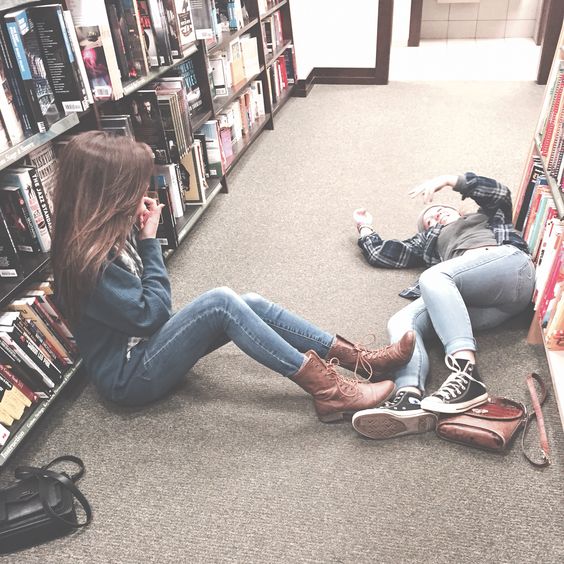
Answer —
453 407
387 425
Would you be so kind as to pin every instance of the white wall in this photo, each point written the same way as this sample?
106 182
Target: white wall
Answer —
333 33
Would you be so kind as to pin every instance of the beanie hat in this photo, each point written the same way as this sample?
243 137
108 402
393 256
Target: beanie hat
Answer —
420 224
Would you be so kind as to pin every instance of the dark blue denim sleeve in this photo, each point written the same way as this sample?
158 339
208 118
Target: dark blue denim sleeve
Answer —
132 305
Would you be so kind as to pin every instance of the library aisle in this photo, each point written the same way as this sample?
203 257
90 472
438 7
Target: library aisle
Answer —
466 59
235 466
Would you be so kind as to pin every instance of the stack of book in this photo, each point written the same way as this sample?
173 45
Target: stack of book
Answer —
36 350
25 209
281 74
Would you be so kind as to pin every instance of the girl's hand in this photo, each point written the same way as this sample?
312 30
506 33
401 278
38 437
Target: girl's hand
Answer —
149 219
362 218
429 187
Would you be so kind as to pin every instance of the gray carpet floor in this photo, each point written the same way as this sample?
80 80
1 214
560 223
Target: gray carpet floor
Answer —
234 466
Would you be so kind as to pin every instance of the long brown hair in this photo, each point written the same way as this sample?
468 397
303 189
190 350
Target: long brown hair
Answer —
101 180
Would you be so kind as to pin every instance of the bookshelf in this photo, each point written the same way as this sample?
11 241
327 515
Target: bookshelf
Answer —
547 150
34 266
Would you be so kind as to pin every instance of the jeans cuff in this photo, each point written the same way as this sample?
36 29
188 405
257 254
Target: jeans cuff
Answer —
461 344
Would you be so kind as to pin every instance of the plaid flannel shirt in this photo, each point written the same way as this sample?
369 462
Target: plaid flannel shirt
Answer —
494 200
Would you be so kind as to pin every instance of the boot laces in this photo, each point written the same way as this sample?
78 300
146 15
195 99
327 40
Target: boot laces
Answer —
347 386
456 383
362 352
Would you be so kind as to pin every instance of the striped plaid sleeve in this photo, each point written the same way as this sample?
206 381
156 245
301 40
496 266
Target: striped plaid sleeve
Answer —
393 253
492 196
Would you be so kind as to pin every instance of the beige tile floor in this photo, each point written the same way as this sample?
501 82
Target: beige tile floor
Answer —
466 59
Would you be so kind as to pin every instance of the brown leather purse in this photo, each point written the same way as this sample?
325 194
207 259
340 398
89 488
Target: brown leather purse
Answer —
493 425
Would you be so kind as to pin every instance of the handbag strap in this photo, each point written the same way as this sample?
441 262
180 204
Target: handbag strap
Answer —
44 476
537 412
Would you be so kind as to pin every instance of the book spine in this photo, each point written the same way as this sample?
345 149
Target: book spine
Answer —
23 388
9 342
161 34
22 372
41 341
34 354
41 198
55 323
31 207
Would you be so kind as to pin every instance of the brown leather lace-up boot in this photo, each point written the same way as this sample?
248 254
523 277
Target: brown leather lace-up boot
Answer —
372 364
335 395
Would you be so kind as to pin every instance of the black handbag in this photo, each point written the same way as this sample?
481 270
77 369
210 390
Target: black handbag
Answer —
40 506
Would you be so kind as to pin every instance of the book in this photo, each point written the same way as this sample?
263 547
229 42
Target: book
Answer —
37 187
34 73
7 384
126 32
171 180
185 24
193 179
57 322
10 265
21 178
219 75
119 125
160 29
94 37
249 52
13 80
30 310
4 435
173 28
148 33
216 158
44 161
205 21
59 57
12 398
10 341
18 220
44 306
8 109
24 374
75 46
8 373
143 108
11 322
166 231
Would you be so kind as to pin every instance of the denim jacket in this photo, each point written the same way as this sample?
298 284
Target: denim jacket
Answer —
494 200
125 304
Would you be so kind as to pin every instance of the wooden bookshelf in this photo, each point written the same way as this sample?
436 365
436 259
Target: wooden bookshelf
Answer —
243 144
536 332
220 102
279 51
284 97
227 38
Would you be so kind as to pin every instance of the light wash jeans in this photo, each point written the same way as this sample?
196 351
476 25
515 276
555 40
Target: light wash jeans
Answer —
478 290
265 331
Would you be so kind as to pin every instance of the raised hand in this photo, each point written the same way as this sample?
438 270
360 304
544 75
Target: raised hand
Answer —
149 221
362 218
429 187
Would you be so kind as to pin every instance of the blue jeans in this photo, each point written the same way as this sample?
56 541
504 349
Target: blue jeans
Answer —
478 290
265 331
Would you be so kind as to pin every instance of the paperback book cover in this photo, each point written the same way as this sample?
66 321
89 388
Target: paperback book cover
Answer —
34 72
59 57
166 232
10 266
18 220
148 33
95 40
13 79
185 23
21 178
44 161
160 28
8 109
143 107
